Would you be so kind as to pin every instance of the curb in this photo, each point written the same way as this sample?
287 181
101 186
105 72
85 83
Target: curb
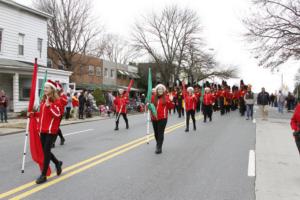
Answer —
75 122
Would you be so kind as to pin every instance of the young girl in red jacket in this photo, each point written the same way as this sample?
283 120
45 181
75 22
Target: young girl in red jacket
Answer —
295 125
162 104
208 101
49 120
120 104
190 101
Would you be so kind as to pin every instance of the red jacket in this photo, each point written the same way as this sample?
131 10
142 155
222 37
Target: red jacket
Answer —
63 102
49 117
295 121
190 101
162 106
121 102
75 101
208 99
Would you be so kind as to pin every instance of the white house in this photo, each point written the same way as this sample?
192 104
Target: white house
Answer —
23 37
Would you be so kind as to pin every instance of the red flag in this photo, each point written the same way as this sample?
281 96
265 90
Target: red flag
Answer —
33 86
129 86
35 144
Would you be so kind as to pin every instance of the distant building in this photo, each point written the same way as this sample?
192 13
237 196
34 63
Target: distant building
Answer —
23 37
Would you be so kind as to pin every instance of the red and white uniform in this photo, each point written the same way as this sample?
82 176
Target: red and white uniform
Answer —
208 99
49 117
295 121
190 101
63 102
121 102
162 105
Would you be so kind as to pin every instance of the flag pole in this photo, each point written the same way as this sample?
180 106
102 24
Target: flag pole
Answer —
25 146
148 126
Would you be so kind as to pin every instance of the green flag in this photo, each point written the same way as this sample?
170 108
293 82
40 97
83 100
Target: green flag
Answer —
151 107
43 85
202 92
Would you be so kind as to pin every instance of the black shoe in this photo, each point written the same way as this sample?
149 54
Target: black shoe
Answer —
186 130
127 126
58 168
41 179
62 141
204 121
116 129
210 119
194 128
158 151
53 145
247 118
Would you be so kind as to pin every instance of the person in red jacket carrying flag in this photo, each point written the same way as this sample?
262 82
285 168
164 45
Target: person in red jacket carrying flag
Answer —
190 101
120 104
63 102
295 125
49 121
159 121
208 101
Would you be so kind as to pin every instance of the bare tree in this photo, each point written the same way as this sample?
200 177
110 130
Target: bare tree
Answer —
71 28
274 30
113 48
164 36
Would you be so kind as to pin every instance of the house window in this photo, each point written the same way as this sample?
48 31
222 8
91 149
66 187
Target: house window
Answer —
106 72
21 44
24 88
98 71
112 73
1 33
91 70
49 63
39 46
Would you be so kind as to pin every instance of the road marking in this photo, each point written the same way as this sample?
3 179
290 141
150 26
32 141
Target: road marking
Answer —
61 178
251 163
30 184
77 132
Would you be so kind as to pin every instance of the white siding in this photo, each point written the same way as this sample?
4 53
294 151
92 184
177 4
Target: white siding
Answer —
13 22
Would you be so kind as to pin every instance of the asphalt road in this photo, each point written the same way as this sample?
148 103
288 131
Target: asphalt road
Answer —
209 164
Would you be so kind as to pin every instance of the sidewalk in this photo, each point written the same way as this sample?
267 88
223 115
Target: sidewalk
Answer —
277 159
18 125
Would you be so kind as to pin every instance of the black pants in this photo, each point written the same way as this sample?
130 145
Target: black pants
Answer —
68 111
47 141
242 107
207 112
3 113
125 119
159 131
192 114
180 111
297 140
81 109
59 133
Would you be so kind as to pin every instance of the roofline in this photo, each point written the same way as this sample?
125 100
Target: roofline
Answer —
26 8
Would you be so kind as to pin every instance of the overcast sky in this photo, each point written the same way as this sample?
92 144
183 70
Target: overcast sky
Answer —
223 31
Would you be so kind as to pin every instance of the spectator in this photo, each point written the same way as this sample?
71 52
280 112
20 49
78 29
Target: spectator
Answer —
75 104
263 102
3 106
280 101
249 101
290 102
82 102
68 106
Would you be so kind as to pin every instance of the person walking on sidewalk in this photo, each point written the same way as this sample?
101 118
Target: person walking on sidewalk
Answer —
3 106
280 101
82 102
75 104
49 121
249 101
263 102
68 106
162 103
295 125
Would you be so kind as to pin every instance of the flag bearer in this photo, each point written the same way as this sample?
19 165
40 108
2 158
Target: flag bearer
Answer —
120 104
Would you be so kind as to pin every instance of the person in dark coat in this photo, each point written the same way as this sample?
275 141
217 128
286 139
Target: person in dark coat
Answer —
82 102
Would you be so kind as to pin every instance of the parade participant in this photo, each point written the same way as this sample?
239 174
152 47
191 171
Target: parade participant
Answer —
249 100
190 100
63 102
222 101
175 97
208 101
180 108
242 105
295 125
120 104
49 121
198 96
159 122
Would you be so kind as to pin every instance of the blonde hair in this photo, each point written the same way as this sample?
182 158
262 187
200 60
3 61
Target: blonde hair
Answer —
53 96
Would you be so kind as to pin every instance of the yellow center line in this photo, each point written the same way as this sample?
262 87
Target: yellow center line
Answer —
61 178
30 184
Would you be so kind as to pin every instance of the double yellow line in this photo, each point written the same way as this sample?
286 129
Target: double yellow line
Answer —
83 165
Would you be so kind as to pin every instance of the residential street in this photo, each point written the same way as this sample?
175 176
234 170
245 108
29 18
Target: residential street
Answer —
211 163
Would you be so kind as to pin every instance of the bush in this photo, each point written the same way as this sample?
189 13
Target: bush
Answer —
23 114
99 97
